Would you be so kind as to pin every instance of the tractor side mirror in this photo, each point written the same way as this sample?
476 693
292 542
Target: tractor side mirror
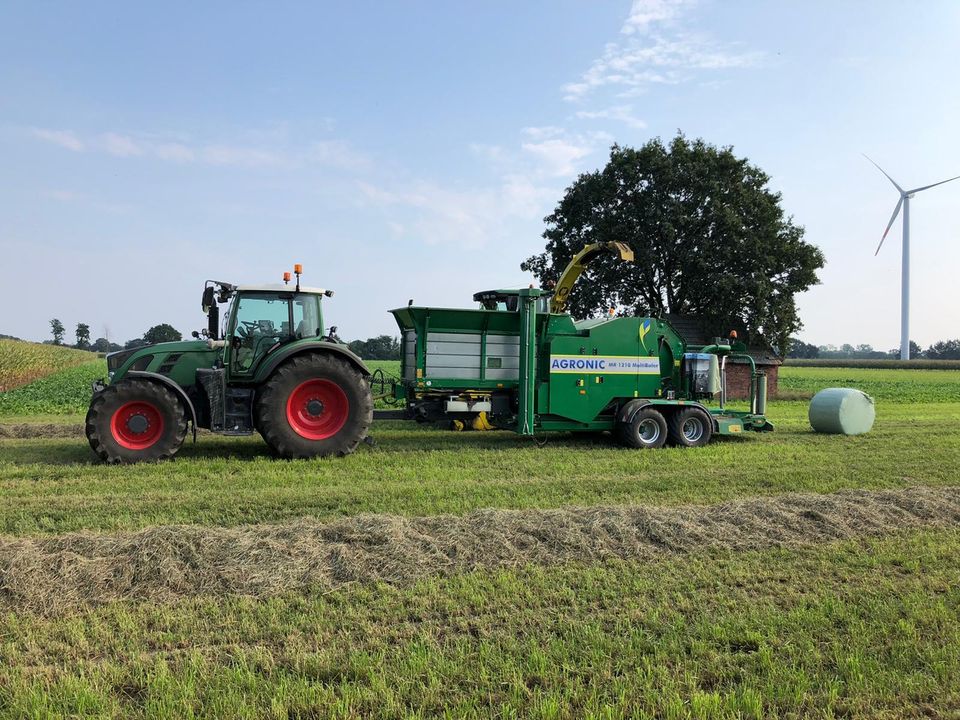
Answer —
213 321
207 301
236 342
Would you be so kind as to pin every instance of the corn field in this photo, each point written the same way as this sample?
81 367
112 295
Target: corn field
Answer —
24 362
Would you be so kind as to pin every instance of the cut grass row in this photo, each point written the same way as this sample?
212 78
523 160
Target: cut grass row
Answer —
859 629
53 485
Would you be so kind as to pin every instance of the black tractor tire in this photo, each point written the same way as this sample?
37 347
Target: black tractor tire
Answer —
647 429
690 427
135 421
314 405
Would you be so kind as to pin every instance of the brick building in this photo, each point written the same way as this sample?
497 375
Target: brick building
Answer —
693 330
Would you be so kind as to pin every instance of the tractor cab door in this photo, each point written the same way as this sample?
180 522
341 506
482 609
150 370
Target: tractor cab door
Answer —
260 323
263 321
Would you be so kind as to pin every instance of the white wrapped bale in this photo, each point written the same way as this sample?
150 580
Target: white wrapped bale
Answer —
842 411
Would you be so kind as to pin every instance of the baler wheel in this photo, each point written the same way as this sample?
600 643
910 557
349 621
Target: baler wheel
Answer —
690 427
647 429
314 405
135 420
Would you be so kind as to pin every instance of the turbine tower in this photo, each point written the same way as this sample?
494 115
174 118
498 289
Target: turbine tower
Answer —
904 202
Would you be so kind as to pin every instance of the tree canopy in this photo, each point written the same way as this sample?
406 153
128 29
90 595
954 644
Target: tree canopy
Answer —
709 238
162 333
83 336
57 329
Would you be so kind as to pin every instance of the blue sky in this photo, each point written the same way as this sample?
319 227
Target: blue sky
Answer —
411 150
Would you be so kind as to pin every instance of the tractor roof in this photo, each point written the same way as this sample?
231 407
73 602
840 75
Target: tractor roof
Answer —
281 288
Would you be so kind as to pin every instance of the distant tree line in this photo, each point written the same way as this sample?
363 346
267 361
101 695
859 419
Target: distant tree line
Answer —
156 334
382 347
942 350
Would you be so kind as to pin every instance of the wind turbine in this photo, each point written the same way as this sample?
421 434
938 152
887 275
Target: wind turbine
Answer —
904 202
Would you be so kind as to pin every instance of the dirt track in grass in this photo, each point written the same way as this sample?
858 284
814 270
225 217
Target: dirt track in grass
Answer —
26 431
50 575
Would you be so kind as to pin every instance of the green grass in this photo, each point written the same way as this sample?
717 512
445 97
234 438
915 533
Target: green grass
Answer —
55 485
920 364
892 385
860 629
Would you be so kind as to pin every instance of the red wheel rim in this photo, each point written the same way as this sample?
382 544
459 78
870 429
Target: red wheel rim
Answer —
317 409
137 425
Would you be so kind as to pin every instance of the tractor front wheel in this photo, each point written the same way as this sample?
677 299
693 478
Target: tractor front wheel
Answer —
135 420
314 405
646 429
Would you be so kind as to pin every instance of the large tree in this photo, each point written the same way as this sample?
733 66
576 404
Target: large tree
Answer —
709 238
57 328
164 332
83 336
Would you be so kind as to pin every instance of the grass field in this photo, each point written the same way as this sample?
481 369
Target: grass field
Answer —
867 626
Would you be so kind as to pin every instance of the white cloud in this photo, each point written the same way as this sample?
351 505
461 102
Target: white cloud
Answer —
558 156
120 145
63 138
645 13
271 151
559 152
620 113
655 51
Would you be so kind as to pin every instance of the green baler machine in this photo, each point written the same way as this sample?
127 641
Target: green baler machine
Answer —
516 364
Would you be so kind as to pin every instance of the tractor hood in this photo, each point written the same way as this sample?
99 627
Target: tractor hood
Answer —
177 360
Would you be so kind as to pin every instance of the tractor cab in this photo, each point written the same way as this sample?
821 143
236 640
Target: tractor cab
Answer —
260 319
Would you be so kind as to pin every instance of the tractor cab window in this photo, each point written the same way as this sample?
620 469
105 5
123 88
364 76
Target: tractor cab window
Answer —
261 322
306 317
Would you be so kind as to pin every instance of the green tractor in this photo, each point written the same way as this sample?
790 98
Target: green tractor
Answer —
273 370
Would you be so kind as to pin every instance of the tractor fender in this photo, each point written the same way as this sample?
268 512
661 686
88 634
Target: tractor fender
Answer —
631 408
273 362
178 391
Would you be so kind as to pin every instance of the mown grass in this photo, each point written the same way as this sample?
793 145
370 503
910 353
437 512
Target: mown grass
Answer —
859 629
22 362
55 485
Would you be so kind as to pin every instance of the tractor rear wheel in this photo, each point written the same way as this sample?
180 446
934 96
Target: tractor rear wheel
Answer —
135 420
314 405
647 429
690 427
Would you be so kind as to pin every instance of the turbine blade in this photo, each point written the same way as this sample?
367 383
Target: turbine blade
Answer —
927 187
896 211
885 173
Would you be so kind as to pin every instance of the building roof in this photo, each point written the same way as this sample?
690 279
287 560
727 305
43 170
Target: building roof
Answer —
695 332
